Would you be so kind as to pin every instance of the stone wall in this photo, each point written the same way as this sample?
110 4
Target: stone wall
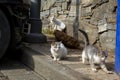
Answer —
96 17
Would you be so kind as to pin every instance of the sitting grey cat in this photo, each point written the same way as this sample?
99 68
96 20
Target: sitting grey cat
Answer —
94 55
58 50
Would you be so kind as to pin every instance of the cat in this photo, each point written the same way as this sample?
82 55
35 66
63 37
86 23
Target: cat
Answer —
58 51
58 24
95 56
67 40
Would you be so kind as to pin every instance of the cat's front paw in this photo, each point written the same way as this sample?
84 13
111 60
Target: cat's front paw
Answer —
55 59
110 72
58 59
83 62
94 69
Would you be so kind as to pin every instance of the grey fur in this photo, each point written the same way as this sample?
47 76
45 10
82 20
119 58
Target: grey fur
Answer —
58 50
95 56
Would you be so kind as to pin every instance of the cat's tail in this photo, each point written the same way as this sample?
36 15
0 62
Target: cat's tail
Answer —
85 36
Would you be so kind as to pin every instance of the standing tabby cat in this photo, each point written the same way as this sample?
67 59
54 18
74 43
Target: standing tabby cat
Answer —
58 50
94 55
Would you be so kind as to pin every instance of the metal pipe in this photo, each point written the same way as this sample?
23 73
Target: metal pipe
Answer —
35 35
36 25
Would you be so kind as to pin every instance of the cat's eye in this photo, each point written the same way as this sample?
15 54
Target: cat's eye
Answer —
105 56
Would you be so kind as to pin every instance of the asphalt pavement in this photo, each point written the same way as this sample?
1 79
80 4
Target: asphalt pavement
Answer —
13 69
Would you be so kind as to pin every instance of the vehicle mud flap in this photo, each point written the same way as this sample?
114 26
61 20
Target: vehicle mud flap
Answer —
4 34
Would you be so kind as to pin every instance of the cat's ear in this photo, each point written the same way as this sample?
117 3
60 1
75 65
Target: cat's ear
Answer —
53 42
51 18
60 41
100 51
106 52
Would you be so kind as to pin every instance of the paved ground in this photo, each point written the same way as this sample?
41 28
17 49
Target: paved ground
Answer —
45 68
3 77
14 70
73 61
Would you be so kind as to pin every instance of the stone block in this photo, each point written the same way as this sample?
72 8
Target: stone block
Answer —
54 10
60 1
74 10
75 2
57 4
64 6
62 17
86 3
86 11
47 4
44 14
107 40
103 26
91 30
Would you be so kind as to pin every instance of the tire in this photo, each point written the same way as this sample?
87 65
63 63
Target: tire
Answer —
4 34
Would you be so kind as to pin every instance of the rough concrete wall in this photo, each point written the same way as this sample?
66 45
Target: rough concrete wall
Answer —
96 17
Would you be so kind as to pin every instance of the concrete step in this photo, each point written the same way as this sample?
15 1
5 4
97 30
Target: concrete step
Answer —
11 69
35 56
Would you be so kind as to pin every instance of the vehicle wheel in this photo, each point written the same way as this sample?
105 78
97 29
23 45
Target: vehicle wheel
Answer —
4 33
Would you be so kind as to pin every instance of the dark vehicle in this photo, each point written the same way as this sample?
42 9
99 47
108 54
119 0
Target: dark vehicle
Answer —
16 21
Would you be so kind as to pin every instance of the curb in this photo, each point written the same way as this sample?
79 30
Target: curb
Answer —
46 67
